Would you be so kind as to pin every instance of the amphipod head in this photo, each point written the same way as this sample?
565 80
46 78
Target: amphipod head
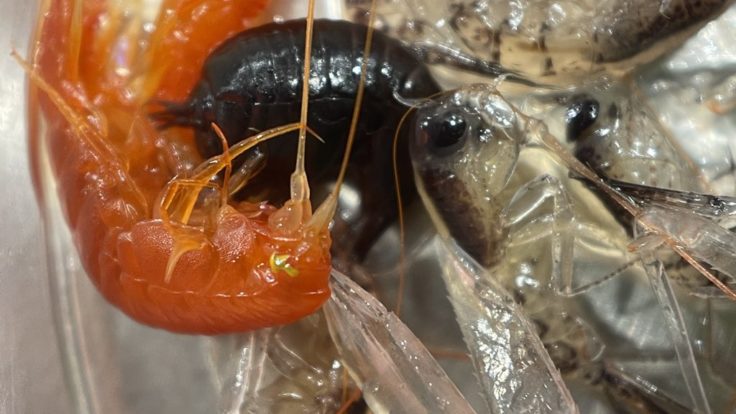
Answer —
464 148
615 132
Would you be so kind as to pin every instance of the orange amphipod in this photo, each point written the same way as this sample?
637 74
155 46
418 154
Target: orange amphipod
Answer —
166 258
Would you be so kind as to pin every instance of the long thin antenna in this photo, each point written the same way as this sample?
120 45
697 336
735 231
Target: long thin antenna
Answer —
299 184
325 212
358 99
400 209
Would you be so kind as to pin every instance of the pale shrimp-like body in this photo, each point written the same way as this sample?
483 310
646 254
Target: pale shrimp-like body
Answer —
553 41
466 150
491 177
215 269
614 132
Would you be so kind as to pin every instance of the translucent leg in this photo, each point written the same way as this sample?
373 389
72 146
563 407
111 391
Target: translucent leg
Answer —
394 370
180 199
580 255
540 211
292 368
242 370
450 56
254 162
676 324
515 370
700 241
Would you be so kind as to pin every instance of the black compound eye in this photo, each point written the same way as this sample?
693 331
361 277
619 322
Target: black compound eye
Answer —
580 115
445 133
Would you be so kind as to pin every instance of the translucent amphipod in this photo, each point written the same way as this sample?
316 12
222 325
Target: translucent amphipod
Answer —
492 180
292 368
464 158
631 152
301 367
552 41
614 132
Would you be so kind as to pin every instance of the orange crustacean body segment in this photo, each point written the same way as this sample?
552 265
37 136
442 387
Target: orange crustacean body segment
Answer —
240 267
187 31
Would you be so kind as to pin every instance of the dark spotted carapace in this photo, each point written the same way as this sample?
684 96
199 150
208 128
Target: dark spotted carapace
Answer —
253 82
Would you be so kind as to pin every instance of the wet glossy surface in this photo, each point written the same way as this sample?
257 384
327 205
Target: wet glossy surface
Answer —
30 367
136 369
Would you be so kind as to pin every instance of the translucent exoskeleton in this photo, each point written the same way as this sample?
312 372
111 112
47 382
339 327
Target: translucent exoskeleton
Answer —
303 367
695 227
492 186
380 352
294 368
516 373
550 41
613 130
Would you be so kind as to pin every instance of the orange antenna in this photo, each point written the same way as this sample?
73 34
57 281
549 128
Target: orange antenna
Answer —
299 184
358 98
327 209
400 206
400 209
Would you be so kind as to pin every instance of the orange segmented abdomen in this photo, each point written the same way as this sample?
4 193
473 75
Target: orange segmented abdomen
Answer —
110 175
188 30
228 280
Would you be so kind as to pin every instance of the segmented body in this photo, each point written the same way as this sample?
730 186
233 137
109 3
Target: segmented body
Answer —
622 140
625 141
478 174
555 40
110 174
253 82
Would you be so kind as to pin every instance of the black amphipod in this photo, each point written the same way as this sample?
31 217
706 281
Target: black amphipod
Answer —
253 82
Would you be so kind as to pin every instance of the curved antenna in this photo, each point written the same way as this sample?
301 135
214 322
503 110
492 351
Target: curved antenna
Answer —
399 203
400 210
358 98
299 183
325 211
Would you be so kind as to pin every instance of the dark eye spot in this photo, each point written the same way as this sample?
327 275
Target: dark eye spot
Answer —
446 133
580 115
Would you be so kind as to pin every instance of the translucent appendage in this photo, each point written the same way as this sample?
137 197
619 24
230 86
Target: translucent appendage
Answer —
704 239
394 370
289 369
678 330
513 366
